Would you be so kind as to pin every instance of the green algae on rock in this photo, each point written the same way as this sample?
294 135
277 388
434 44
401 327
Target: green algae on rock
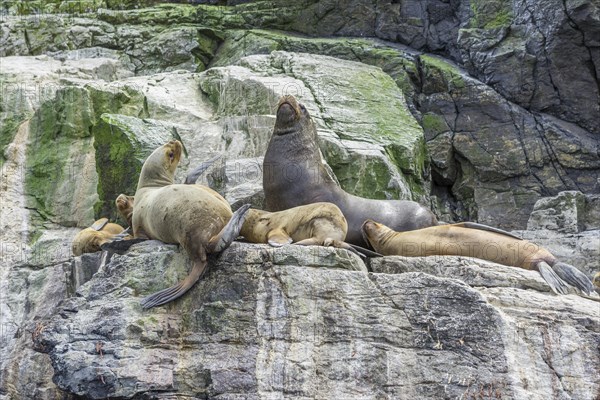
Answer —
122 145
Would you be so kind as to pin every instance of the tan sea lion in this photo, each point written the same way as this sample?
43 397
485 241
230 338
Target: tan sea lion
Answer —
90 239
596 281
124 203
478 241
294 174
188 215
313 224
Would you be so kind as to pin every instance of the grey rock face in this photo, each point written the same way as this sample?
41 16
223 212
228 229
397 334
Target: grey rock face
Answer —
567 225
281 322
504 121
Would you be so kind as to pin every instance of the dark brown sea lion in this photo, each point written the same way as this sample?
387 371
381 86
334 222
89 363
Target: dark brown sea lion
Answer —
188 215
478 241
90 239
294 174
320 224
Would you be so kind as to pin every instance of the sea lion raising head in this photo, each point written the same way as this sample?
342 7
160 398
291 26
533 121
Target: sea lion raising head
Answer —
294 174
188 215
478 241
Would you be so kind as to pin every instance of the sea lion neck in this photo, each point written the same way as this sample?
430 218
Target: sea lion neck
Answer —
159 168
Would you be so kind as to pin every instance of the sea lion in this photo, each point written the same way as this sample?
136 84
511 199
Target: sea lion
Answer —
294 174
124 203
313 224
90 239
479 241
188 215
596 281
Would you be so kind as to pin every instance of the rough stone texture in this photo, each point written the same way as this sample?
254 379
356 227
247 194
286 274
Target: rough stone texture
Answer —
487 111
568 226
267 323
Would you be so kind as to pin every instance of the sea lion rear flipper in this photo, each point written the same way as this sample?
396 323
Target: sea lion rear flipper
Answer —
573 277
278 238
230 231
194 174
481 227
169 294
557 285
98 225
120 246
366 252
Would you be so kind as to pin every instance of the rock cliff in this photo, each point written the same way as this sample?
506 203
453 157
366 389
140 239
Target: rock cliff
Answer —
484 111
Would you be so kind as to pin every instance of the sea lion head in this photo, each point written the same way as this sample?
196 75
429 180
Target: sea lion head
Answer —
596 280
375 234
86 241
124 205
159 167
291 116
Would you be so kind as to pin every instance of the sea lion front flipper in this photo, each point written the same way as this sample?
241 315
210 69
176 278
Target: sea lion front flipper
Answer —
306 242
194 174
98 225
557 285
278 238
573 277
230 231
481 227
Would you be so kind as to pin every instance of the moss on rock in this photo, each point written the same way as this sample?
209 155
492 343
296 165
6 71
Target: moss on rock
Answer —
122 144
491 14
57 158
442 74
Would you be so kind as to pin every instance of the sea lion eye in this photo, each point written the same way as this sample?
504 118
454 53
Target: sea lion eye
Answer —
302 108
171 155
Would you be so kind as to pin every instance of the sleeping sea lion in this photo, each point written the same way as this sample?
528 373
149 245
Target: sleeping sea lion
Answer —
90 239
294 174
188 215
313 224
479 241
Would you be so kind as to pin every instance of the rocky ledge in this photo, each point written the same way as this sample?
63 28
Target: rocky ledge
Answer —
311 322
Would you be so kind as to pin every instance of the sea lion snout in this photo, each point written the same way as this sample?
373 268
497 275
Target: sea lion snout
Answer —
176 147
289 113
122 200
286 114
